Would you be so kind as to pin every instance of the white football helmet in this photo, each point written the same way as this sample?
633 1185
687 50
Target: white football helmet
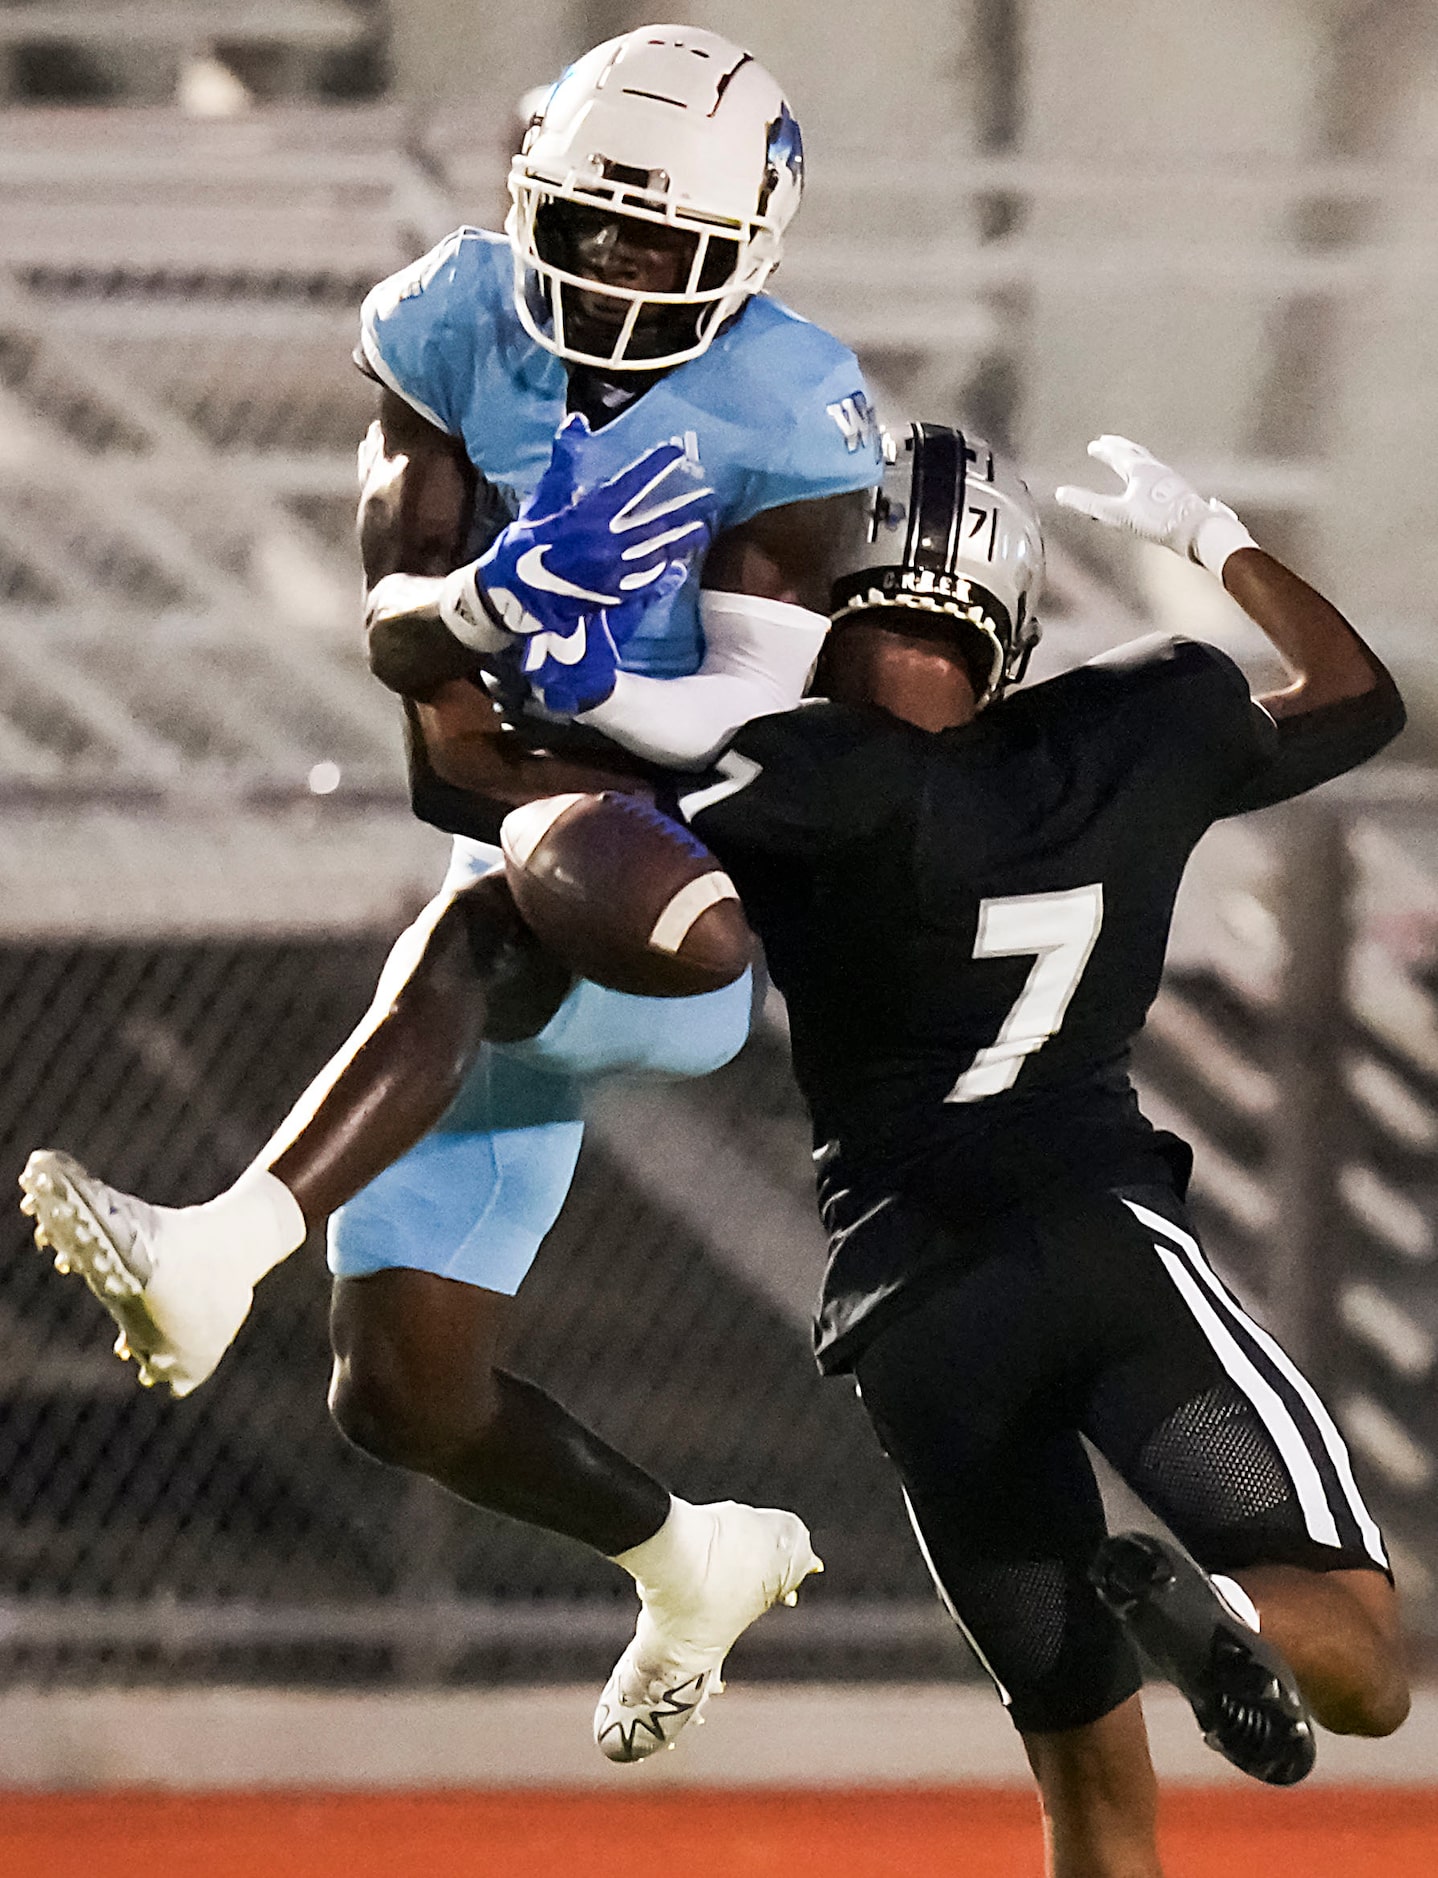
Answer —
953 532
673 126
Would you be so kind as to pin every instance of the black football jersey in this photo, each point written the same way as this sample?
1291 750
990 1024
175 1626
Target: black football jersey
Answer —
969 927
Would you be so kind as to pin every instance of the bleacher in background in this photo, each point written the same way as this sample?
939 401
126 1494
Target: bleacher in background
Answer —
211 54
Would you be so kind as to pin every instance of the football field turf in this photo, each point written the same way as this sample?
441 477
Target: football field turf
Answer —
888 1834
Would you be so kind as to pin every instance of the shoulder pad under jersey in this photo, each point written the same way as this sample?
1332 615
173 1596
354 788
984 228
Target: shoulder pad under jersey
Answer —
422 329
1169 659
1183 698
800 410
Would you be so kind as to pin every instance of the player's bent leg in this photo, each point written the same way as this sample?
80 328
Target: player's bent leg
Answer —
1212 1424
1341 1630
466 970
1197 1633
426 1259
416 1385
179 1281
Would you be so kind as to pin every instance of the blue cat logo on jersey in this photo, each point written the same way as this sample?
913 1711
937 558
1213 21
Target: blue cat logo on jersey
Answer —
785 151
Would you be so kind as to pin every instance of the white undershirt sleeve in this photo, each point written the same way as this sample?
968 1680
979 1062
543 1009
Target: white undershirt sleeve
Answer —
757 660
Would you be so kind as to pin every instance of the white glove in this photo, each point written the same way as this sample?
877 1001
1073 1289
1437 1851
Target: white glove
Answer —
1158 505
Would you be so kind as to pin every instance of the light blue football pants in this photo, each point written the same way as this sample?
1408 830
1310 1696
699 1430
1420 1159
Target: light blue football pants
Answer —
476 1197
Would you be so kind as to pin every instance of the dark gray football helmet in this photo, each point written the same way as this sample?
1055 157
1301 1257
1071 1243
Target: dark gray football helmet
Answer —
953 532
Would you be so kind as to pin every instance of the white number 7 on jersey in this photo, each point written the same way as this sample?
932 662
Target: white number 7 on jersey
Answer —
1062 929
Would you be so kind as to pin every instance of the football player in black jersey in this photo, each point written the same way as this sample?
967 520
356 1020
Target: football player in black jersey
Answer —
964 894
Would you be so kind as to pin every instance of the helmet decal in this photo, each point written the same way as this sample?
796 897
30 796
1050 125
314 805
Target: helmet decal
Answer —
784 155
952 544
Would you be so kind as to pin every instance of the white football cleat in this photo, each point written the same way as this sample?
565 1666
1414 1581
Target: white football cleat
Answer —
756 1557
178 1312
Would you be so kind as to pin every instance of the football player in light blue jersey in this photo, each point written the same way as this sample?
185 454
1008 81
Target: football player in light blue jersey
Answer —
614 367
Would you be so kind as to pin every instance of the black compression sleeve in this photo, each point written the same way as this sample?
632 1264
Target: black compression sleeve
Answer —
452 810
1315 746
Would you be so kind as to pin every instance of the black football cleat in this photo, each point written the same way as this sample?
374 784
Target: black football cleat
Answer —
1242 1692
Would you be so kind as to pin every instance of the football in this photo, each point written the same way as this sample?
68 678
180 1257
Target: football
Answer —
624 895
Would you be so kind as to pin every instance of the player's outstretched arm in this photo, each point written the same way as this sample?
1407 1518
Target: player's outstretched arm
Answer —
1330 662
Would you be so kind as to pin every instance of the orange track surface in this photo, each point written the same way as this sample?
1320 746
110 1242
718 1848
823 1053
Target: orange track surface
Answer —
918 1834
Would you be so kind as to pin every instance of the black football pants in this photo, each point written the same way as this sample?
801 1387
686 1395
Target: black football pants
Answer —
1099 1318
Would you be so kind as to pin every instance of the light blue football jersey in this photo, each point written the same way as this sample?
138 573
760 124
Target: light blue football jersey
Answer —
775 410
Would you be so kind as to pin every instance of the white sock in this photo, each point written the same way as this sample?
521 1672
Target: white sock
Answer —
673 1559
1237 1599
253 1225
